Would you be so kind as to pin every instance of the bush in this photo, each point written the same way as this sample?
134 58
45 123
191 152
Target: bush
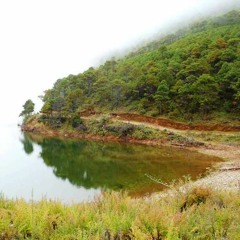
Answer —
82 128
76 121
142 133
122 130
196 196
54 121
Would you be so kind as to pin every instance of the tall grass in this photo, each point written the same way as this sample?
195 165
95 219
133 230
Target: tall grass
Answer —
192 213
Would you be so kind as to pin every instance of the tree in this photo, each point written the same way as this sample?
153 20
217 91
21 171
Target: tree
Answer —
117 88
102 91
73 100
182 93
205 93
28 108
89 79
162 96
228 77
163 51
236 87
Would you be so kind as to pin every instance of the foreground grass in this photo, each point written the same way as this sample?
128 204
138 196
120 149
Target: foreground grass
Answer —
189 213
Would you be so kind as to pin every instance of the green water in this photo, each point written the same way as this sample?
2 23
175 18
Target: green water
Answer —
118 166
32 167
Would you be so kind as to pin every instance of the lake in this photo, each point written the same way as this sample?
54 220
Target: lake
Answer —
33 167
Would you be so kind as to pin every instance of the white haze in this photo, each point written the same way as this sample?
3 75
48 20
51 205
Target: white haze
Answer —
42 41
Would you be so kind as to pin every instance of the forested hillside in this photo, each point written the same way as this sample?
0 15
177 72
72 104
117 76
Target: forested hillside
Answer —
193 72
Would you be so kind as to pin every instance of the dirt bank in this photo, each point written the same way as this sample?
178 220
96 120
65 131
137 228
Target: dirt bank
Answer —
175 125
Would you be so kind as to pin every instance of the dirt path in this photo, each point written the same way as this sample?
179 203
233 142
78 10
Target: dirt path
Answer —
151 125
166 123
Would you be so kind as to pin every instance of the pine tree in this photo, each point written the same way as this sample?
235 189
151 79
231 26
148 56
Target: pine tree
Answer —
162 96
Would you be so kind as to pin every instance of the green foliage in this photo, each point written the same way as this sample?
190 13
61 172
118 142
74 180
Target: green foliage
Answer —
192 72
205 93
76 120
55 120
162 96
121 130
28 108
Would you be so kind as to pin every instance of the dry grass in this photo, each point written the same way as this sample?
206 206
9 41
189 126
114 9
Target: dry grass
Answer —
185 213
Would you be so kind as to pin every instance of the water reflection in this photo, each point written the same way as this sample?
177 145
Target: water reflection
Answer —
116 166
27 144
23 173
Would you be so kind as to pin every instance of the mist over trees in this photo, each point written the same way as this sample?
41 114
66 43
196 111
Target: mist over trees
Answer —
193 72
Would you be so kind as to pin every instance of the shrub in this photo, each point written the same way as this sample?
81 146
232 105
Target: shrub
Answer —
82 128
121 130
196 196
76 122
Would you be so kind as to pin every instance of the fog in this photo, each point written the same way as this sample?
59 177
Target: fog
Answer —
42 41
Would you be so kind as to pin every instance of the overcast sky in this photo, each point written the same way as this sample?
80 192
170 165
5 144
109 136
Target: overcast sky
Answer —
42 41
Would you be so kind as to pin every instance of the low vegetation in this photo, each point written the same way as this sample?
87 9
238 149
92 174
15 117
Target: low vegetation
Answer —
103 126
185 213
215 137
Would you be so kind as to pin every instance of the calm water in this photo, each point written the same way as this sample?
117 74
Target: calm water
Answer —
32 167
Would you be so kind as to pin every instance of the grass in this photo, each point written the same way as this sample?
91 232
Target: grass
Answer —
217 117
185 213
229 138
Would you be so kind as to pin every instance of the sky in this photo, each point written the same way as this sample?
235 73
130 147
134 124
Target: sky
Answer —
42 41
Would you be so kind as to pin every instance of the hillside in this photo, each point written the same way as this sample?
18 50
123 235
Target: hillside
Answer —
194 73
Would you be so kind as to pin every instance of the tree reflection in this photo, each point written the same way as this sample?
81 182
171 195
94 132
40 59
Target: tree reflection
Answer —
116 166
27 144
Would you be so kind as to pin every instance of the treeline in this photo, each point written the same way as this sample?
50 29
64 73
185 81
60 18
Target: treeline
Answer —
195 71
